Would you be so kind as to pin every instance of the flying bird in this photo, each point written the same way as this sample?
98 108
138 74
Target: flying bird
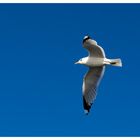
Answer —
96 61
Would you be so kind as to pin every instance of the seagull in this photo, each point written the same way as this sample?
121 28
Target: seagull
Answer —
96 61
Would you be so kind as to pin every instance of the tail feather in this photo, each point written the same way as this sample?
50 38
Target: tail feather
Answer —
116 62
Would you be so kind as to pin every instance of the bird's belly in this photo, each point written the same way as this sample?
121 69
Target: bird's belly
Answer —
95 62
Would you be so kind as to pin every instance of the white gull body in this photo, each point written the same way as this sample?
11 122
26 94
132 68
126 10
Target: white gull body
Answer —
96 61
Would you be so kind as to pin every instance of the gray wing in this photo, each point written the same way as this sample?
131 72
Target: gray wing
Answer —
90 84
94 49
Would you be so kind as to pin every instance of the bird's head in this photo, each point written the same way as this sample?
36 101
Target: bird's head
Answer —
82 61
79 62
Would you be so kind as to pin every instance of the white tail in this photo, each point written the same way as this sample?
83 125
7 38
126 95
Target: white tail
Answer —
113 62
116 62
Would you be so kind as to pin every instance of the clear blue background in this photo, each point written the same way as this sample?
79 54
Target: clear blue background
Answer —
40 87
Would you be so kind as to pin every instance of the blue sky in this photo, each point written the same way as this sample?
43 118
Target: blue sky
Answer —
40 87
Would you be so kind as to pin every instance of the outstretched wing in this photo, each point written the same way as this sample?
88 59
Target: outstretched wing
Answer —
90 84
94 49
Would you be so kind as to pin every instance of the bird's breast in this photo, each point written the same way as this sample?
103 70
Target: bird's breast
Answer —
95 62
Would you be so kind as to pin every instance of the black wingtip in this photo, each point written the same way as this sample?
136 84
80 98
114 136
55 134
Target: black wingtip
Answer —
86 106
86 112
86 38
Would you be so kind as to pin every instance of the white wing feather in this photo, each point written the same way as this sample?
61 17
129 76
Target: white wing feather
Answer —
94 49
90 84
